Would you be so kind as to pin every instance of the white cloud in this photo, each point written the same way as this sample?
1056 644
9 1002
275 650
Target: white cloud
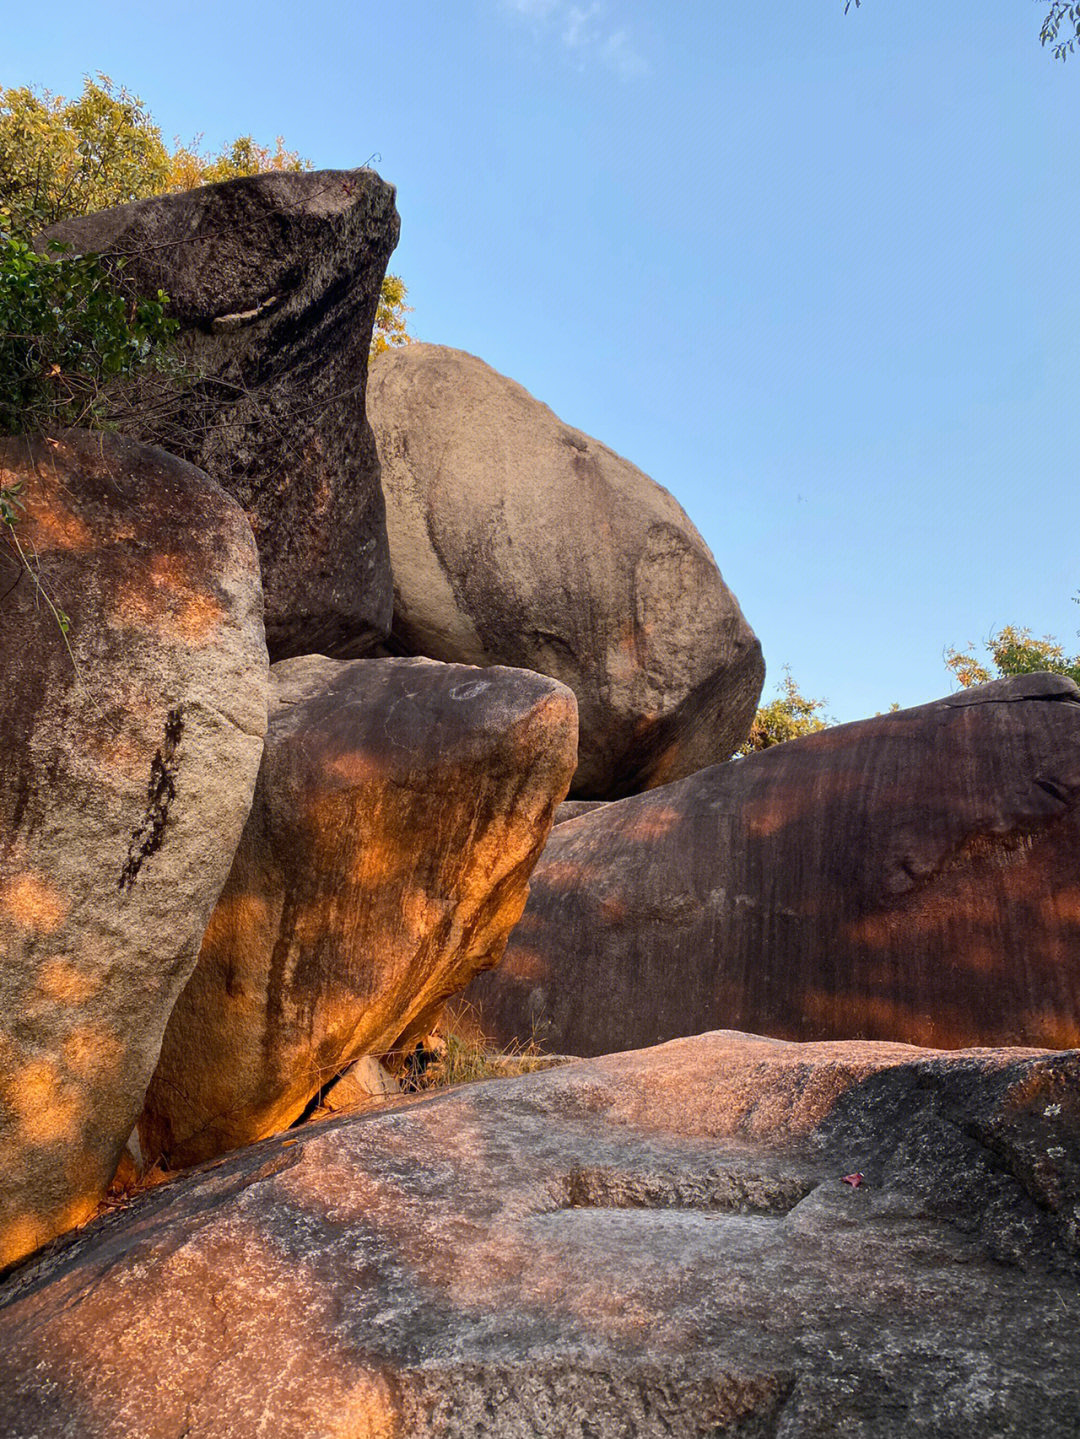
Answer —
619 54
587 32
532 9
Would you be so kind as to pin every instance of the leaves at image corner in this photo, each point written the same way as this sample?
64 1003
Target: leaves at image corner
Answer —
1060 30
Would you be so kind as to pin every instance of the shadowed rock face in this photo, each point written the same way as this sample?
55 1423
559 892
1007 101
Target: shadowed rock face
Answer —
124 785
399 811
518 540
652 1244
912 877
275 281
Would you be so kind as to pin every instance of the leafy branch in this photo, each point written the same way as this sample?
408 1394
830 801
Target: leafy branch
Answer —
1060 27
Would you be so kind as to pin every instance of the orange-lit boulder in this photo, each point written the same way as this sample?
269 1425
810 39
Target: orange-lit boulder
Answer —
912 877
654 1245
126 772
399 811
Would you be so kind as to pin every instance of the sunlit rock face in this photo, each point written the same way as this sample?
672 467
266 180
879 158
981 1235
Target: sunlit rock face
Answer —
912 877
649 1245
275 281
517 540
399 811
126 774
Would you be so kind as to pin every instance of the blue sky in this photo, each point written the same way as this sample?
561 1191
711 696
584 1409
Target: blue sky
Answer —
814 273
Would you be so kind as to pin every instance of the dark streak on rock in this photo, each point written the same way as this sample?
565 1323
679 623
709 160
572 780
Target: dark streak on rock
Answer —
148 834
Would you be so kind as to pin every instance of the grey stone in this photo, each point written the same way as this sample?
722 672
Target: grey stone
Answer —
364 1083
127 772
517 540
652 1244
275 281
912 877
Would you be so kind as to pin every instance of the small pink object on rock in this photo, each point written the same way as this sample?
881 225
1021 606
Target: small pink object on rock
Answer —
855 1180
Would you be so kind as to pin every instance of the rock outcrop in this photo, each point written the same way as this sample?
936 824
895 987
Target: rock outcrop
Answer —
517 540
127 773
399 811
651 1244
912 877
275 281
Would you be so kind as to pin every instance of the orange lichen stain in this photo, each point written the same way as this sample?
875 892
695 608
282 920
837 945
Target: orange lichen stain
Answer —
526 964
198 618
651 822
356 767
92 1052
46 1113
1062 908
21 1236
60 979
163 598
31 902
234 915
117 755
58 529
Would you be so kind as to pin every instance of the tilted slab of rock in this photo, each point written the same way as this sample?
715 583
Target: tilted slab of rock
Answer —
399 811
275 281
912 877
658 1243
518 540
124 785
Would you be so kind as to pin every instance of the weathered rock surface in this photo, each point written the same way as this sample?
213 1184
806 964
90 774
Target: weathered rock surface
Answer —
912 877
275 281
400 808
518 540
124 785
572 808
650 1244
365 1083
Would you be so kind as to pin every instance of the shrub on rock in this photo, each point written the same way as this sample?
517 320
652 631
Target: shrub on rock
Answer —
275 281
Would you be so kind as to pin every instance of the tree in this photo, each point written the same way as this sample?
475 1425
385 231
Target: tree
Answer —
789 716
60 158
1013 651
1060 27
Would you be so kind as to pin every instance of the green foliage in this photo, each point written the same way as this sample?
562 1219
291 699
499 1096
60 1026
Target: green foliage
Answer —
188 167
63 158
1060 27
67 335
390 324
1013 651
789 716
69 157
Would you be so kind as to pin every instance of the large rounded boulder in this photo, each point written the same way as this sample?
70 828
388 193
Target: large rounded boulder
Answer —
275 282
654 1245
400 808
130 748
912 877
518 540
